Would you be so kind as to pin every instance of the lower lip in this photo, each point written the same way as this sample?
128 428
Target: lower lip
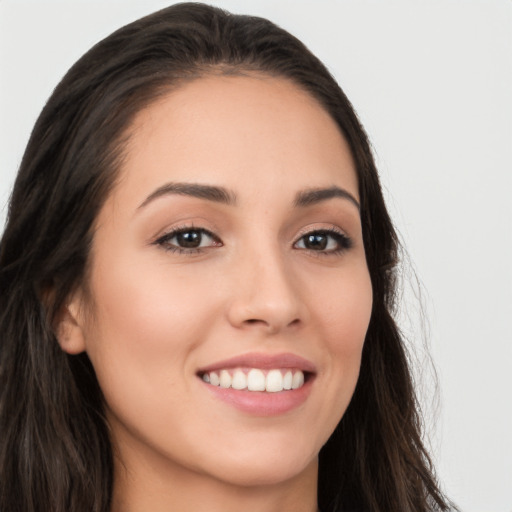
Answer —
261 403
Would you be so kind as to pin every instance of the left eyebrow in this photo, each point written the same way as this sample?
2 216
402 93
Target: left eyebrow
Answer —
316 195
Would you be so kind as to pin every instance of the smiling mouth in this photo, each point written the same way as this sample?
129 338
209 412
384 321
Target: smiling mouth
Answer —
255 379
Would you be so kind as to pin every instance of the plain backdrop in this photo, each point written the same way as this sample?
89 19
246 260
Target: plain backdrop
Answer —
432 83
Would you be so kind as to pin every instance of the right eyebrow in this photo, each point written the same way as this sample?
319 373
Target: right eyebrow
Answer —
209 192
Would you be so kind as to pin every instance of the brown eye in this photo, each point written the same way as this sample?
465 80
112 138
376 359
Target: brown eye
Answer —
316 242
188 239
326 241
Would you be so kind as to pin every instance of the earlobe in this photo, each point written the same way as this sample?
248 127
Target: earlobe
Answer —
68 327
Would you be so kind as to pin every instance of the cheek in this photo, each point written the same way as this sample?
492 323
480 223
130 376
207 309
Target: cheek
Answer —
342 317
146 328
344 311
147 320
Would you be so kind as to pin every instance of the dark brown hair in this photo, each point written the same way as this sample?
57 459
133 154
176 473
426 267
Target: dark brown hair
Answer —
55 452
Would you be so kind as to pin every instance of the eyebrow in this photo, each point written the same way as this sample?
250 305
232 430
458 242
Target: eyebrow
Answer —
209 192
222 195
316 195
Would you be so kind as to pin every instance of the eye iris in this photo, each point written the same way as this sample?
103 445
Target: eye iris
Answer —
189 239
317 241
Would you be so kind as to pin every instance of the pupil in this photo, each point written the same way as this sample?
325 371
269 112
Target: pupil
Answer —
316 242
189 239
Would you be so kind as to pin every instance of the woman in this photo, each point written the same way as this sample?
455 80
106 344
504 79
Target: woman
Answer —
197 281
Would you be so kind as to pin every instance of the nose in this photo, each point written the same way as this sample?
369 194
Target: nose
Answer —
265 295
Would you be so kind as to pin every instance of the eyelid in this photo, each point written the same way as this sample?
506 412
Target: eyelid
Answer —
344 241
164 238
319 227
185 225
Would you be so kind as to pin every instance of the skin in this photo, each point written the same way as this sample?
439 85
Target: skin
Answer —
153 316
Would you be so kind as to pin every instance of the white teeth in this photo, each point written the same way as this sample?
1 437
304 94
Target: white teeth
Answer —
214 379
287 380
298 380
239 380
274 381
225 379
255 380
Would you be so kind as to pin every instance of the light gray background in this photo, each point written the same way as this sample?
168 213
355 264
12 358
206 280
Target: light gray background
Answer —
432 83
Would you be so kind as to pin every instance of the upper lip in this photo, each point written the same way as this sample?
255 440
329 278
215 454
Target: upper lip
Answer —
262 361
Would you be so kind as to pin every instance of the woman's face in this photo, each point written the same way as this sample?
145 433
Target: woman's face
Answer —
229 251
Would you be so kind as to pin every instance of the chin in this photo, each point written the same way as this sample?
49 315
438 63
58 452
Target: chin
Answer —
258 477
245 471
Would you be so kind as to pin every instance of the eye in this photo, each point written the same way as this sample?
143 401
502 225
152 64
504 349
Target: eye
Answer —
188 240
324 241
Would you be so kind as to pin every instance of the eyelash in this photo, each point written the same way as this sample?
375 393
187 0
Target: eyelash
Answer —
343 242
164 241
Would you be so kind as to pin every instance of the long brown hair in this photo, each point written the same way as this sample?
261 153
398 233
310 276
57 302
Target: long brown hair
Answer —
55 452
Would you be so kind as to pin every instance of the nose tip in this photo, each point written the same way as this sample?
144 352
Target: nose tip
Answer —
267 300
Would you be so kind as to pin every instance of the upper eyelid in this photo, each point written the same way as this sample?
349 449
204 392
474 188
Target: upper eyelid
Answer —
327 231
164 240
315 229
171 232
341 237
175 231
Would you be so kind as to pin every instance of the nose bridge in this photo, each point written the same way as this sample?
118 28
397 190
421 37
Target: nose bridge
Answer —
266 293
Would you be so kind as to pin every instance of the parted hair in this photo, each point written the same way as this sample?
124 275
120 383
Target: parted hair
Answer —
55 450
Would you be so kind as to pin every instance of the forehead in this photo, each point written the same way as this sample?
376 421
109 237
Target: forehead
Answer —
241 131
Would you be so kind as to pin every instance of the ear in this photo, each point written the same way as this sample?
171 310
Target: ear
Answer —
69 326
